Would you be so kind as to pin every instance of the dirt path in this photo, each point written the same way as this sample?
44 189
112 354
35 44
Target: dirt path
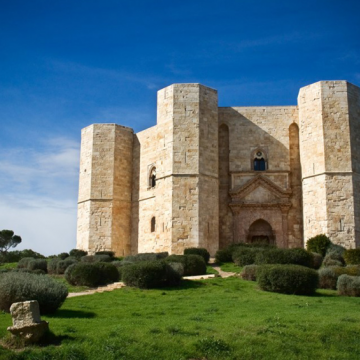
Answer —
119 285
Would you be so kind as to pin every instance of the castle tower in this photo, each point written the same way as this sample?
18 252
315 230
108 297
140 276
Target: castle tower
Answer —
329 116
104 205
191 112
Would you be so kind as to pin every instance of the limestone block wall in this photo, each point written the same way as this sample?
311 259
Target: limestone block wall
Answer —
104 215
327 165
265 129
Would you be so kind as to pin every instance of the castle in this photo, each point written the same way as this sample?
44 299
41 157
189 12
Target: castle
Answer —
209 176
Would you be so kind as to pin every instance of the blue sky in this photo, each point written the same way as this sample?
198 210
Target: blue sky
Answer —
67 64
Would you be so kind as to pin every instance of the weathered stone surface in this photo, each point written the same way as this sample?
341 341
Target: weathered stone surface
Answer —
27 323
208 192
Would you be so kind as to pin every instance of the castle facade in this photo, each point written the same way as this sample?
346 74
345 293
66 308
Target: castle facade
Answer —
209 176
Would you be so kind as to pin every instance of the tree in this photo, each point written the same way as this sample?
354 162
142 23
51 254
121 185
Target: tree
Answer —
8 240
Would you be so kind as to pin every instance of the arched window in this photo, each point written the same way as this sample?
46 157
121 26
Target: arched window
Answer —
152 177
259 161
153 224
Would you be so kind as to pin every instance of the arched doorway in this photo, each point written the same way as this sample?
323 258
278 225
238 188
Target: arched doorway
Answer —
260 231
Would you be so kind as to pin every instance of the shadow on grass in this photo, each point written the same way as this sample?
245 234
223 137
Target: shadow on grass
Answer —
51 339
71 314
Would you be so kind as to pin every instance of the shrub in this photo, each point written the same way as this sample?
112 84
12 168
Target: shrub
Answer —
352 256
349 285
108 253
146 257
178 267
317 260
198 251
24 262
334 249
150 274
37 264
288 279
77 253
62 265
119 266
245 255
52 265
82 274
224 255
285 256
96 258
327 278
193 264
63 255
22 286
108 273
333 259
249 272
318 244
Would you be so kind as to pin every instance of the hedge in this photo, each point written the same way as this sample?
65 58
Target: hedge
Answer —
147 257
287 279
352 256
349 285
223 255
193 264
108 273
249 272
317 260
85 274
285 256
77 253
245 255
23 286
37 264
198 251
328 276
108 253
96 258
150 274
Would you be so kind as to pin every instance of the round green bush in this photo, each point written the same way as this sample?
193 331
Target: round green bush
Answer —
198 251
63 255
108 273
223 255
327 278
23 286
85 274
37 264
119 266
178 267
348 285
287 279
193 264
245 255
352 256
52 265
150 274
146 257
249 272
77 253
285 256
24 262
318 244
333 259
62 265
96 258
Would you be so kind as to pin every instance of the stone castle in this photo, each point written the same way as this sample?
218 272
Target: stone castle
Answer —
209 176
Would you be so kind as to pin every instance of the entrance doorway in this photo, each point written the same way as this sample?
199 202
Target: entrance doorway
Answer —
260 231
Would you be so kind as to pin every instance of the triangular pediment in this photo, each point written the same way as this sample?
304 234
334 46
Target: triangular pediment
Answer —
260 195
259 189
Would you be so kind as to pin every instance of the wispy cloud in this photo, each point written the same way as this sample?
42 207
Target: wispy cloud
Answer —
38 189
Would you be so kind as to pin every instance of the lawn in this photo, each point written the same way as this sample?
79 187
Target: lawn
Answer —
209 319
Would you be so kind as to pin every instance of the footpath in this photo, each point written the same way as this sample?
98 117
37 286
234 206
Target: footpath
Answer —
119 285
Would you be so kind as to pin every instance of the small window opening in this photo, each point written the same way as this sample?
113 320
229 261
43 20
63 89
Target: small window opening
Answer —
153 224
152 179
341 225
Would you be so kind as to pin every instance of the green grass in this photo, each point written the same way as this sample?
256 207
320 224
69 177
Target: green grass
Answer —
230 267
211 270
210 319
